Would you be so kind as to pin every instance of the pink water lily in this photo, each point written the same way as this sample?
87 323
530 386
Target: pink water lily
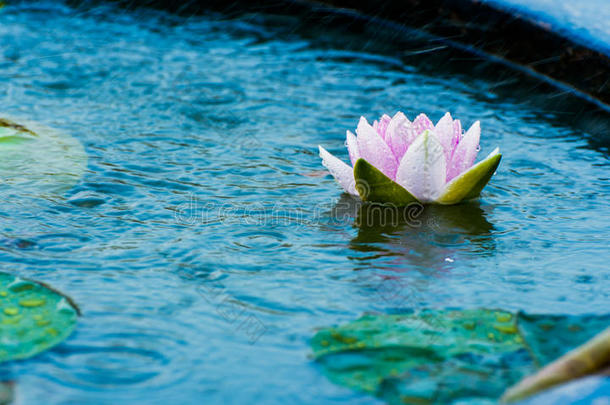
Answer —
433 163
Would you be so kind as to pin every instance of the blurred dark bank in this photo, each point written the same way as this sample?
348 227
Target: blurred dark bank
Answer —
560 49
542 36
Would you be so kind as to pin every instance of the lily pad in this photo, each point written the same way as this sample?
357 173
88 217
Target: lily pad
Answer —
552 336
432 356
469 184
36 160
33 317
374 186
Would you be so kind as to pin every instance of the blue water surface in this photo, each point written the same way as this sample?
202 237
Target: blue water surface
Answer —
203 243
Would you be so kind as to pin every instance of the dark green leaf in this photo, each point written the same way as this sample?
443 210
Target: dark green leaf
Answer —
469 184
374 186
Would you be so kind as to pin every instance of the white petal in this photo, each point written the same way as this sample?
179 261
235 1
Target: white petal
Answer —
352 147
382 125
465 152
343 173
421 123
374 150
444 132
397 134
422 168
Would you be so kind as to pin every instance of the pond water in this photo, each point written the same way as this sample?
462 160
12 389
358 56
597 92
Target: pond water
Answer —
202 244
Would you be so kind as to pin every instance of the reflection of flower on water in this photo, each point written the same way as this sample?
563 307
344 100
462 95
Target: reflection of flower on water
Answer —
395 294
399 265
459 222
365 215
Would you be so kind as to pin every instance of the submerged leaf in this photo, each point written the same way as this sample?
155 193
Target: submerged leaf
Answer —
436 356
374 186
552 336
428 357
33 317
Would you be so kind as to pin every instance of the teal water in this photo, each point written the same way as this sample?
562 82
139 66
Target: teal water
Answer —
203 245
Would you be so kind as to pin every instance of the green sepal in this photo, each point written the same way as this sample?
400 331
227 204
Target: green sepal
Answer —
469 184
374 186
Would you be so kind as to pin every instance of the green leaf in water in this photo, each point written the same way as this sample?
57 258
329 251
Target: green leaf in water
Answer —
33 317
433 356
552 336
